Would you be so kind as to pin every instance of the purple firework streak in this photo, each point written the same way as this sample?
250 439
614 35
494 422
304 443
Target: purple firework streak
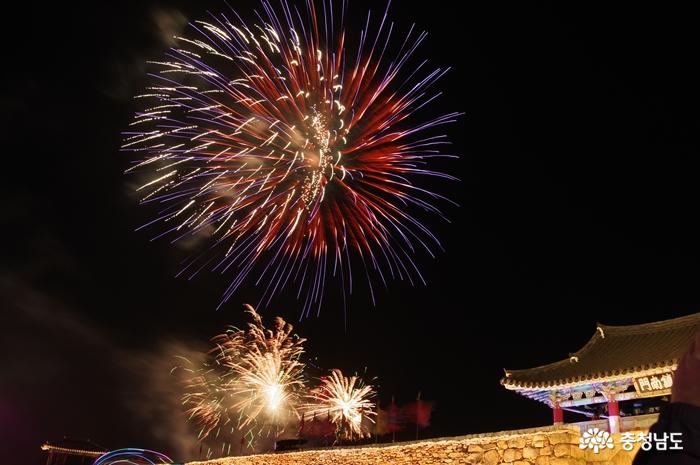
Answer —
292 150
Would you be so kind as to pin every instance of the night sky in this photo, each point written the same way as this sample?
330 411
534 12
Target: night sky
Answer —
578 203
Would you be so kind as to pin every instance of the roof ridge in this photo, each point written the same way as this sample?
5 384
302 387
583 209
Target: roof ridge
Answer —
566 361
654 325
607 353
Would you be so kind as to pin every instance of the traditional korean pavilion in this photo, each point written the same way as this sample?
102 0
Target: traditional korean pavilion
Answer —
618 364
70 451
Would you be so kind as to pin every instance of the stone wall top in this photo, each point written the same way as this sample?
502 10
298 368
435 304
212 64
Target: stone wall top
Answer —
523 446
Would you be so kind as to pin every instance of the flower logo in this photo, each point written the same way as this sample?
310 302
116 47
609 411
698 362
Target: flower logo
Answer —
596 439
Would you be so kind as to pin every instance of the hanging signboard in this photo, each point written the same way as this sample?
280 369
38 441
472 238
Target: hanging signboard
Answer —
654 385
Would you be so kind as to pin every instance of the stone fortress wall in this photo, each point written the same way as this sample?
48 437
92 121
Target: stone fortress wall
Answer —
556 445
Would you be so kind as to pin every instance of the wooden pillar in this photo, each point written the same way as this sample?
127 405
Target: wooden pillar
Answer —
613 414
610 392
557 414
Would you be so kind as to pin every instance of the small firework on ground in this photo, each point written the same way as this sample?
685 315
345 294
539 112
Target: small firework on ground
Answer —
250 385
347 403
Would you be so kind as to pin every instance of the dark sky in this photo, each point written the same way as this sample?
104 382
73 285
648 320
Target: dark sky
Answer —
578 203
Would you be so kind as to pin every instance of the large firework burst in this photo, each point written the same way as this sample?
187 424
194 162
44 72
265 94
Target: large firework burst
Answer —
252 383
294 145
347 403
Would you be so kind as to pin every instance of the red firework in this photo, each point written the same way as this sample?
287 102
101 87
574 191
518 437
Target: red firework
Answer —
291 149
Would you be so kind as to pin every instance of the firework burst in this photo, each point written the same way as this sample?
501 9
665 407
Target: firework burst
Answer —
251 384
347 403
264 368
293 147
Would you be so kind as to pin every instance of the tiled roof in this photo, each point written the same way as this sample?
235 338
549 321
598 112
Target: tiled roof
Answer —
74 447
613 351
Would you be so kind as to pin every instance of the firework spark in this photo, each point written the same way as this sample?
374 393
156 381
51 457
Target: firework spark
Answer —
293 147
265 369
346 401
252 383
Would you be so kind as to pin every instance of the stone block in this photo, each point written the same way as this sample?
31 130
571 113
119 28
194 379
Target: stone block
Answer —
491 457
563 461
603 455
530 453
559 438
562 450
623 457
577 452
516 443
475 458
511 455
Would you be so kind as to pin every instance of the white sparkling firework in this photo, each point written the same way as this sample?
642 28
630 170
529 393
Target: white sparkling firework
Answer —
346 401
